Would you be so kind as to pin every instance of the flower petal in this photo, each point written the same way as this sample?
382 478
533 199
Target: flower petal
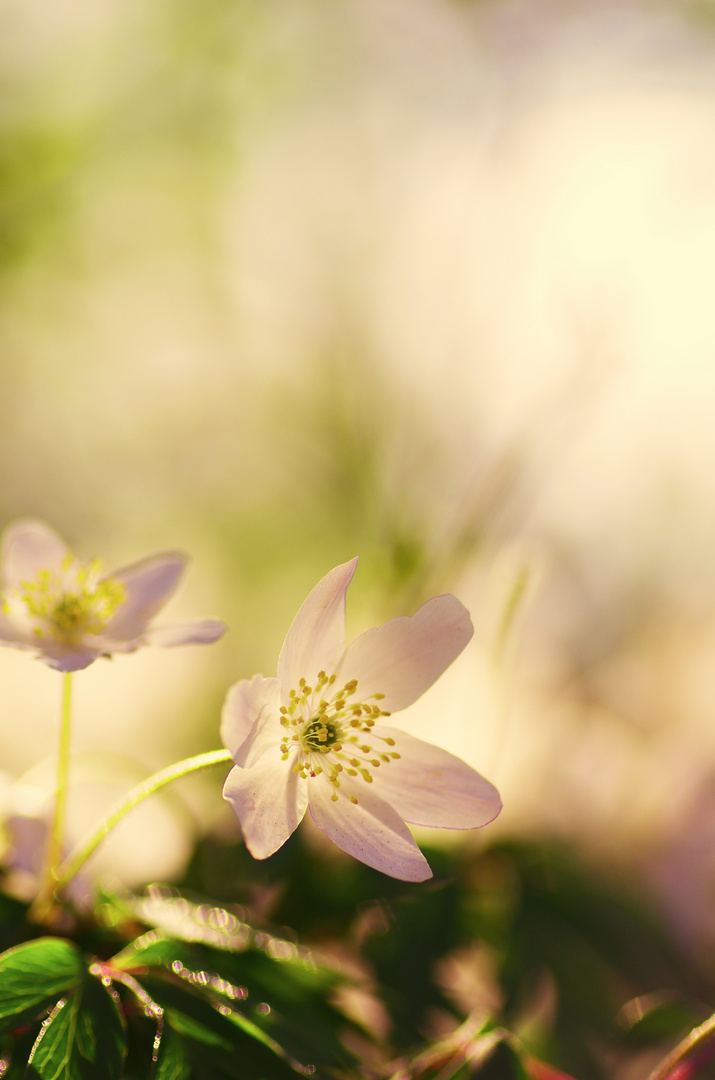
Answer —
403 657
316 639
370 831
269 801
29 546
250 720
67 658
188 632
429 786
148 583
16 631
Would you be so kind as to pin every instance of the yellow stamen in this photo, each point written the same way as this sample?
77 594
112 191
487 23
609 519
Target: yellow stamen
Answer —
321 722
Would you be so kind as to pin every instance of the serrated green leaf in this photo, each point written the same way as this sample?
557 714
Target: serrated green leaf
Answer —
101 1040
33 976
154 949
171 1061
51 1056
300 1017
82 1039
237 1050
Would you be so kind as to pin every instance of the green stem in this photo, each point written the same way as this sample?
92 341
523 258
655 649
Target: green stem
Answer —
137 794
56 831
44 900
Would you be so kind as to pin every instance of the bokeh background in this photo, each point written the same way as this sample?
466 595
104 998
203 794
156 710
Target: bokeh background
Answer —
427 281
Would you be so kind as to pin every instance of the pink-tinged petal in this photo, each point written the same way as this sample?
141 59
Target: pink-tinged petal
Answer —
250 720
269 801
405 656
67 659
370 831
188 632
29 546
148 584
429 786
316 639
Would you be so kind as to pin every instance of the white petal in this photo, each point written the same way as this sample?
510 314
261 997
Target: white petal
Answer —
16 631
370 831
316 639
188 632
108 646
29 546
403 657
250 720
269 801
148 584
429 786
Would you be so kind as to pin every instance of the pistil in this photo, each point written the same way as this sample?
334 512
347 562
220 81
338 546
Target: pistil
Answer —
328 733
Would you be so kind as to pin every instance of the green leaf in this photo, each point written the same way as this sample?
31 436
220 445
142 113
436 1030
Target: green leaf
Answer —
219 1037
150 950
52 1052
82 1039
33 976
194 1029
171 1060
289 998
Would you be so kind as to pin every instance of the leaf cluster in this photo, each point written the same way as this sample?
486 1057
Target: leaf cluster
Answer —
191 1004
515 963
561 958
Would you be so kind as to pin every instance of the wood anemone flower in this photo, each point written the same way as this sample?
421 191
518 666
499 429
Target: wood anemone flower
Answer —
69 614
316 738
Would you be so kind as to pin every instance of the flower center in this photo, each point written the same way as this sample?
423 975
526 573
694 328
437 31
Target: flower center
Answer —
329 732
71 604
321 733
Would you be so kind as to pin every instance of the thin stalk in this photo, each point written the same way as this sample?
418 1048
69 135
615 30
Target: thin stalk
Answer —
142 791
53 854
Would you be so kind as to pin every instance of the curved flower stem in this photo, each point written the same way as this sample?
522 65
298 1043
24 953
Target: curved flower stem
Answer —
54 844
672 1066
137 794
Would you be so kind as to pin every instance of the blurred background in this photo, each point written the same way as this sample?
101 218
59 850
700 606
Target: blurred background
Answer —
427 281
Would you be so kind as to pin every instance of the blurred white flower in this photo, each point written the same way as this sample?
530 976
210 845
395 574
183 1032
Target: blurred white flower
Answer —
314 736
69 615
25 812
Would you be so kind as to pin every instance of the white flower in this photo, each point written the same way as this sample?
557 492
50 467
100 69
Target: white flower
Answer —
69 615
315 738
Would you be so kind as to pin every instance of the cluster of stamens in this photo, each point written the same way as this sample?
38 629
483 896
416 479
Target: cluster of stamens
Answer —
330 732
71 604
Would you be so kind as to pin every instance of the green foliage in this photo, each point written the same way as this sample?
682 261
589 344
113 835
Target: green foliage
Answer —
172 1062
82 1037
580 938
168 987
182 1008
556 948
286 999
33 976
